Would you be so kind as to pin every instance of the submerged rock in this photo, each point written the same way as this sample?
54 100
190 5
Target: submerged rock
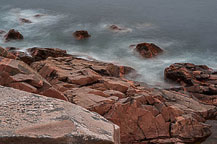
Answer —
29 118
24 20
38 15
148 50
13 35
117 28
199 80
82 34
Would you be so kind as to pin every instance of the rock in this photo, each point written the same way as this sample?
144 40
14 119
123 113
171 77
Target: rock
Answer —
36 54
43 53
29 118
17 74
6 54
117 28
24 20
20 55
82 34
13 35
148 50
148 117
199 80
38 15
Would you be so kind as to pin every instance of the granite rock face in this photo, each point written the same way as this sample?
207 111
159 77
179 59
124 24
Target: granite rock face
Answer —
144 114
199 80
27 118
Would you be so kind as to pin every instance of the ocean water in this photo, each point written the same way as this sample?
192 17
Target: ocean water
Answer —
185 29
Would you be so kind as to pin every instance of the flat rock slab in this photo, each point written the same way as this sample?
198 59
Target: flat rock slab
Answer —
27 118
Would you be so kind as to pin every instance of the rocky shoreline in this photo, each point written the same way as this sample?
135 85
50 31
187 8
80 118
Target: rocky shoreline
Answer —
143 113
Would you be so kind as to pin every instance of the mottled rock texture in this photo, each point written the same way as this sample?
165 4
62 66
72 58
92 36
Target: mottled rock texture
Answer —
27 118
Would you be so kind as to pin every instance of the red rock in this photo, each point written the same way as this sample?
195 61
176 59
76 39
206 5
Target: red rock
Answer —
148 50
24 20
17 74
13 35
82 34
199 80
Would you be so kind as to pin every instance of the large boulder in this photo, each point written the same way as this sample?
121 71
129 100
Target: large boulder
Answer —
148 50
28 118
199 80
13 35
81 34
17 74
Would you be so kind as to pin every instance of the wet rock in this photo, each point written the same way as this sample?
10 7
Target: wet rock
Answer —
13 35
24 20
148 50
117 28
29 118
17 74
82 34
43 53
20 55
38 15
199 80
6 54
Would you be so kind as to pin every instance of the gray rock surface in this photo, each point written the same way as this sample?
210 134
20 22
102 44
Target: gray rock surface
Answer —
27 118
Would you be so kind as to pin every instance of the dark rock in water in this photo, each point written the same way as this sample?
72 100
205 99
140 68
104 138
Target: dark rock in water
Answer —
199 80
13 35
148 50
82 34
38 15
117 28
28 118
24 20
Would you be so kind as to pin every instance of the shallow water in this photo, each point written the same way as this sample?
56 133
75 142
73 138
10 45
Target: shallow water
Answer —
186 30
